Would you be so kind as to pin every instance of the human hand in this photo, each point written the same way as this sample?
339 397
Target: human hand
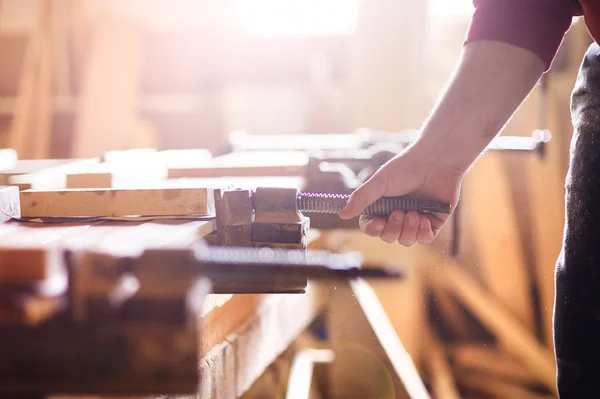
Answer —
411 173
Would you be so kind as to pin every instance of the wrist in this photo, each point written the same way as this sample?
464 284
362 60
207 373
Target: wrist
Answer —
445 154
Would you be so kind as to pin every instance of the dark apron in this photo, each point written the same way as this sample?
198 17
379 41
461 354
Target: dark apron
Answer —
577 304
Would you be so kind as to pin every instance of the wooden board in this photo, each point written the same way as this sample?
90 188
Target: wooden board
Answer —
117 176
251 163
490 361
113 202
370 359
546 189
512 335
404 301
107 117
492 227
246 335
32 252
90 180
442 379
486 385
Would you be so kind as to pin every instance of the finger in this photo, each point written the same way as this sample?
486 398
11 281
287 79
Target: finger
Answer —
365 195
371 226
410 228
393 228
425 234
437 222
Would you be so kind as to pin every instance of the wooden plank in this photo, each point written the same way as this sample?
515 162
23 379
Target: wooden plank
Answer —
513 336
359 357
499 389
9 203
278 321
246 333
442 379
404 301
217 368
452 316
106 121
8 159
546 190
490 361
40 135
90 180
113 202
301 373
251 163
117 175
22 119
400 359
486 193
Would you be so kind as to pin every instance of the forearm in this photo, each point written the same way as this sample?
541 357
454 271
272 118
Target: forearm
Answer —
490 82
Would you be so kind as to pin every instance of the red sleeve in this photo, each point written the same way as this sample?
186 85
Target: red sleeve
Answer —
536 25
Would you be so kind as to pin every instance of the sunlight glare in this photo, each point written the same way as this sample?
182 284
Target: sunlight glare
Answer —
296 17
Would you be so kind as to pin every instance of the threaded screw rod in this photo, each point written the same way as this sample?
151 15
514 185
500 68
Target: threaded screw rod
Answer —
383 207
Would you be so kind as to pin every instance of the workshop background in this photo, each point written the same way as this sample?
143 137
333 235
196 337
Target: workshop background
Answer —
78 78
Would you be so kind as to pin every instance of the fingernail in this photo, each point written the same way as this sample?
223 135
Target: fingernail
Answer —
378 227
398 218
413 220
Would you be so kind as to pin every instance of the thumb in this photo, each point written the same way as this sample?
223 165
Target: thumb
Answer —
365 195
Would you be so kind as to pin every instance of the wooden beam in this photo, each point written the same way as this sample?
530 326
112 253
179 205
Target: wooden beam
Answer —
492 362
442 378
452 315
9 203
90 180
497 388
486 200
546 189
107 175
277 322
251 163
511 333
23 117
39 138
301 374
113 202
104 121
399 358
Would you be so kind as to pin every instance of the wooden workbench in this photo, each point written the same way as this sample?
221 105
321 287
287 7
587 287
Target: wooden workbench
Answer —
241 334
